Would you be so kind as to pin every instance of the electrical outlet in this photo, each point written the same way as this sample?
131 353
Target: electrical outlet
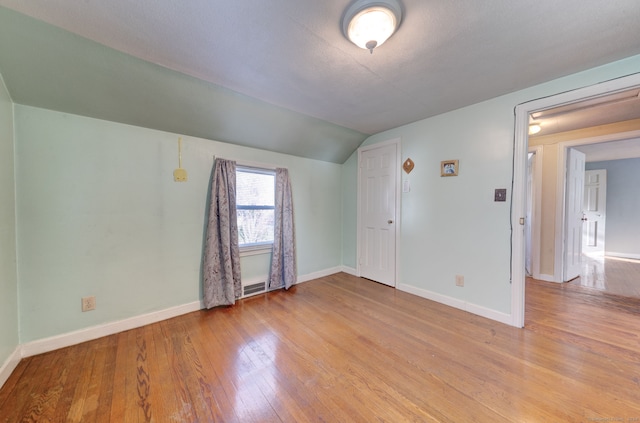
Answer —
89 303
459 280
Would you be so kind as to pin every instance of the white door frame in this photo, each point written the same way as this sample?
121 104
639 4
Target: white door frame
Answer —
536 210
522 112
398 196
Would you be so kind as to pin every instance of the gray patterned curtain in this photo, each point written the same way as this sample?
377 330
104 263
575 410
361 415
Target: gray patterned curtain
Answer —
283 262
221 252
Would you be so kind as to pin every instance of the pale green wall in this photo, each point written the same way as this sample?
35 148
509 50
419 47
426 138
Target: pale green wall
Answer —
99 214
349 211
452 225
48 67
8 277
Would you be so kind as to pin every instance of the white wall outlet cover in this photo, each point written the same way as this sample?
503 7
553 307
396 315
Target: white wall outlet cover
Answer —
88 303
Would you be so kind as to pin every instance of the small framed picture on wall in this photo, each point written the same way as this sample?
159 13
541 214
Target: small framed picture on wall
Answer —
449 168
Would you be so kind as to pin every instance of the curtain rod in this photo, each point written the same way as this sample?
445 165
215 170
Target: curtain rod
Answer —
243 163
257 165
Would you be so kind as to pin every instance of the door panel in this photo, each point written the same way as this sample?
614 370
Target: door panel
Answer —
378 168
595 203
574 214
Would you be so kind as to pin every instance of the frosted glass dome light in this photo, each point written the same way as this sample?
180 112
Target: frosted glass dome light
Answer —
368 24
534 128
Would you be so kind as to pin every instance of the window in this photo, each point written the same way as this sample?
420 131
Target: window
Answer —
255 204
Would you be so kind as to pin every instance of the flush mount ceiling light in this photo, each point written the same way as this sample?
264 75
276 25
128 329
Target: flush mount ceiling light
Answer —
534 128
369 23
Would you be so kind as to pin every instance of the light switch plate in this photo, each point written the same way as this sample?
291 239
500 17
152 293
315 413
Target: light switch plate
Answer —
500 195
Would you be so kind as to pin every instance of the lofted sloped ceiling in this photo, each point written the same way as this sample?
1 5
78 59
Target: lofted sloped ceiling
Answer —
279 75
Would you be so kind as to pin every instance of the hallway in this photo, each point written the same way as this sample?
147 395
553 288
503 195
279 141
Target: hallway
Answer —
613 275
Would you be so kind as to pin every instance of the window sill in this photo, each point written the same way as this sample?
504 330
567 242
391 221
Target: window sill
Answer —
254 251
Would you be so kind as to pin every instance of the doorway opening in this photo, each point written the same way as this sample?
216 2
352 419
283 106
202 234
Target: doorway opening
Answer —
568 234
582 100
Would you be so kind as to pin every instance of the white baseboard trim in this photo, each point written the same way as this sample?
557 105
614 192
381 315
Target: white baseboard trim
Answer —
622 255
94 332
459 304
350 270
10 365
545 277
319 274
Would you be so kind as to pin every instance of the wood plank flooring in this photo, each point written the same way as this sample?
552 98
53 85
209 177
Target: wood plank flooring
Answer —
613 275
343 349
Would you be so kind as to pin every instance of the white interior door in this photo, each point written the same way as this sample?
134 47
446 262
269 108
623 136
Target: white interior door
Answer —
377 221
595 205
573 214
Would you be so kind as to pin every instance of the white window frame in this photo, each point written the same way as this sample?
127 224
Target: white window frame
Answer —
262 248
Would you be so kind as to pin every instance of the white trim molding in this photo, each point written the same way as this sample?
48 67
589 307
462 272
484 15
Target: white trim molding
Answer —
457 303
349 270
319 274
613 254
40 346
545 277
10 365
536 209
94 332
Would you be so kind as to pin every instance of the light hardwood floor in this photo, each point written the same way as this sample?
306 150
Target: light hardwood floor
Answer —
614 275
341 349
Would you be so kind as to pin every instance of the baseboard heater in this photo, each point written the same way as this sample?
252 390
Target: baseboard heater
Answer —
253 289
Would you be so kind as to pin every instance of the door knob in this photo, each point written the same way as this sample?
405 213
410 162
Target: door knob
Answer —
389 221
584 219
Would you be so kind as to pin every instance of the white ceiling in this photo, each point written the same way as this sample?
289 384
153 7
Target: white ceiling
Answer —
613 150
292 54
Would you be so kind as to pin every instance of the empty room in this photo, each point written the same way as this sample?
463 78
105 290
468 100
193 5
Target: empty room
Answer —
331 211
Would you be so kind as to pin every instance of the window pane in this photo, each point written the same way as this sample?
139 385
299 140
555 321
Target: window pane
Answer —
255 201
255 226
254 189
